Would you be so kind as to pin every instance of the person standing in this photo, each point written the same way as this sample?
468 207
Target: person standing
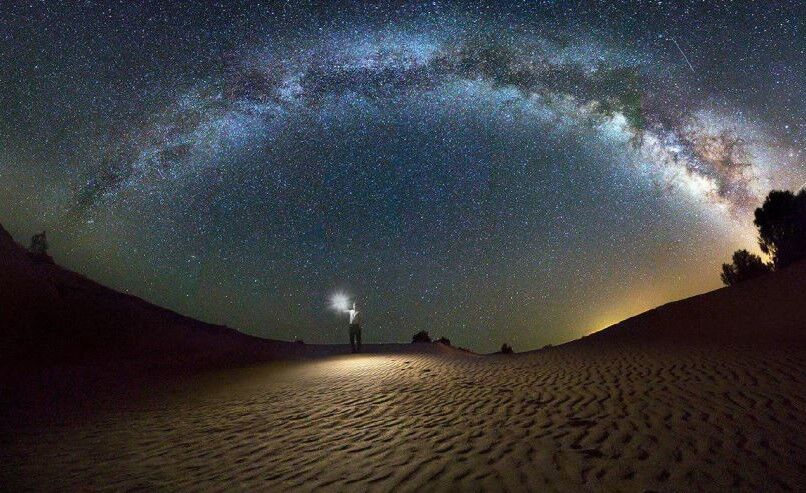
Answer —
355 328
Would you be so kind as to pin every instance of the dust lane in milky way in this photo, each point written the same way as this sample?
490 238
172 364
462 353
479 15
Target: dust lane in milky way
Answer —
522 173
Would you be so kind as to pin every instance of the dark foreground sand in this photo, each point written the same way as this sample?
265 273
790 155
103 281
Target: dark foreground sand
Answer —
570 419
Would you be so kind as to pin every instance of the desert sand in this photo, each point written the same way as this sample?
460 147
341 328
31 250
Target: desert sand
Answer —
566 419
705 394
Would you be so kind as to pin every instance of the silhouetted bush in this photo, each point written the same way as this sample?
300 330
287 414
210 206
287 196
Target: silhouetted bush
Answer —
38 251
506 349
444 340
781 224
547 346
421 336
39 244
745 266
299 341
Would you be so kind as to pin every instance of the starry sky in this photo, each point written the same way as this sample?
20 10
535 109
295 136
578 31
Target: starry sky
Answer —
522 172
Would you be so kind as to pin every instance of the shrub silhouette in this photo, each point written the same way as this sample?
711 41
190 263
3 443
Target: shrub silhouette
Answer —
444 340
421 336
506 349
39 244
781 223
745 266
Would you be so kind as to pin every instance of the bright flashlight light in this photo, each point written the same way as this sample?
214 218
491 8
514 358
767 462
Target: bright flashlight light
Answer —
340 302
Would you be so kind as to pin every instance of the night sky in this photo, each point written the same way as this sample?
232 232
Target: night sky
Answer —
517 172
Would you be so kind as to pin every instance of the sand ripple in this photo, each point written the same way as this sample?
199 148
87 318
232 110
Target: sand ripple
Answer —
570 419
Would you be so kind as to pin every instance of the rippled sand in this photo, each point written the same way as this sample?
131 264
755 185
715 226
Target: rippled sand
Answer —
572 418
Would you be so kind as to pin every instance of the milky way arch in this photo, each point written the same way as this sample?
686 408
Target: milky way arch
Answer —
621 96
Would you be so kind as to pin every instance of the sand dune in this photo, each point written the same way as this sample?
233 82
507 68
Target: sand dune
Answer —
769 311
705 394
52 316
568 419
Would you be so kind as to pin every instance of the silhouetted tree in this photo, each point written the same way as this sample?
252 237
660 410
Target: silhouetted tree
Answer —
506 349
421 336
39 244
781 224
745 266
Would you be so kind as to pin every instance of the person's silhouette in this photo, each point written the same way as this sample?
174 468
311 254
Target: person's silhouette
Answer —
355 328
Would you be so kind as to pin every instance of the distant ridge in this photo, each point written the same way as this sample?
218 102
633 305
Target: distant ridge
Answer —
767 311
50 315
